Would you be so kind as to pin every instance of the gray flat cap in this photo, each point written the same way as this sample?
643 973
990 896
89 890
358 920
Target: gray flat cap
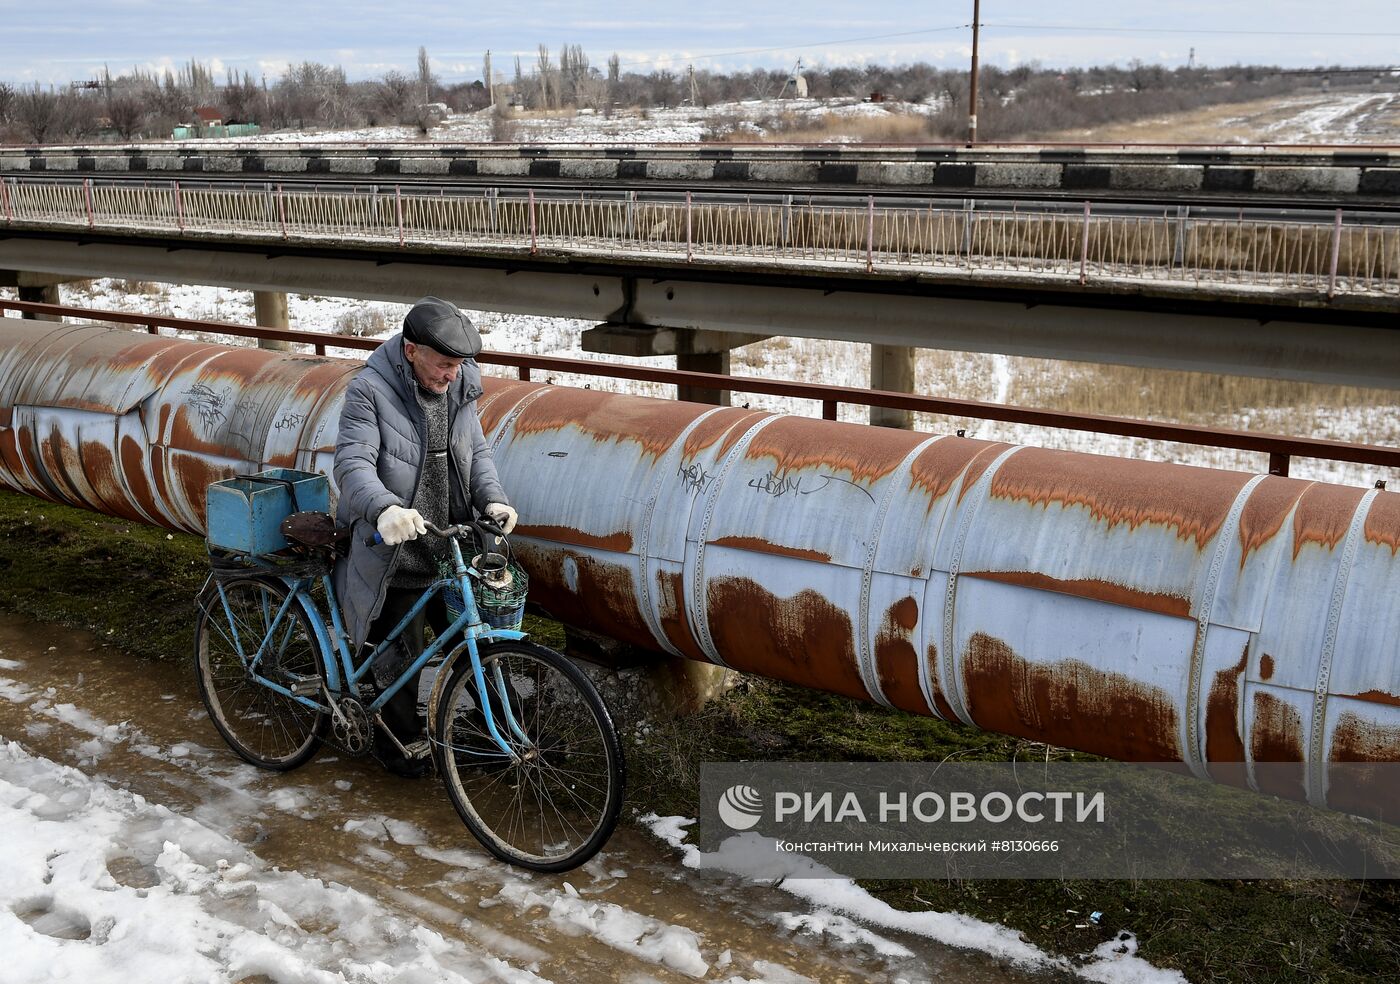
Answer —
440 326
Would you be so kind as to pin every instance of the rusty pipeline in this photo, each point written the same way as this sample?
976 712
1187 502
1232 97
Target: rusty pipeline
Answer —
1138 610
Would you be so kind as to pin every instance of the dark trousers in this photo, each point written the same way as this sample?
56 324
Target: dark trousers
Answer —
401 711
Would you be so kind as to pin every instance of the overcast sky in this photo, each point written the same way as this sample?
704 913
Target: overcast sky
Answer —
73 39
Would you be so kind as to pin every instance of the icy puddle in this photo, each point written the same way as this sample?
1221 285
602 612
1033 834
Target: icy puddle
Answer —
137 847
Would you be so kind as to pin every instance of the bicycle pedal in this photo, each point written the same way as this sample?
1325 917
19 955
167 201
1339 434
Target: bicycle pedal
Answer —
418 749
306 687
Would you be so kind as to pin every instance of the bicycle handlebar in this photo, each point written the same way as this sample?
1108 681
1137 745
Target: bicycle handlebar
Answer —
484 524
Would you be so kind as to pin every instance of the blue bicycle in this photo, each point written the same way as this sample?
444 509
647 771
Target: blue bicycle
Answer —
518 733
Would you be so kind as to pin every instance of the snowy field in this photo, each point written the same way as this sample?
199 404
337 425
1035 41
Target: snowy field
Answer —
1342 116
682 124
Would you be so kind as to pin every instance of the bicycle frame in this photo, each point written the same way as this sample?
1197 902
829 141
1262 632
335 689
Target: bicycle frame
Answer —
342 666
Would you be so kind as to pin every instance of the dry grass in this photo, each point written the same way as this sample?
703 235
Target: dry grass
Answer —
889 127
1164 394
362 323
1242 122
144 288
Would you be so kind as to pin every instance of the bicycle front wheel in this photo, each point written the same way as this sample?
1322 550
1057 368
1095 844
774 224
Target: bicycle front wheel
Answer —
552 804
265 727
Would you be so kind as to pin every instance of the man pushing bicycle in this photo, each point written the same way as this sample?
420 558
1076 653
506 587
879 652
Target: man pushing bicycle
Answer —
410 452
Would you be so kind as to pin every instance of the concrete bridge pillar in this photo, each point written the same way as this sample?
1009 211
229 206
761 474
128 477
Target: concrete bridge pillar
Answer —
695 349
39 288
44 294
711 362
892 368
270 311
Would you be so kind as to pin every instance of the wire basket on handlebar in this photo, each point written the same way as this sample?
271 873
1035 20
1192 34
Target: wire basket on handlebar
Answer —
499 583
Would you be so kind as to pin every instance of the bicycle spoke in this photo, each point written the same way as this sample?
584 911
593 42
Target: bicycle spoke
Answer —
266 727
553 807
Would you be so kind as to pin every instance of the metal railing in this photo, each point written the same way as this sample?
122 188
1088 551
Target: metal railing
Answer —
1280 448
1331 258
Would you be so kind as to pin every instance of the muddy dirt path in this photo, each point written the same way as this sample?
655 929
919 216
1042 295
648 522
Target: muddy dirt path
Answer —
632 914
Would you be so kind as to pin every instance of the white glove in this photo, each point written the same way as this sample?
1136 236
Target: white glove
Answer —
397 524
503 515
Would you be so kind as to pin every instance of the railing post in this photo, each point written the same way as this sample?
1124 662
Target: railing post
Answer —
1336 252
1084 249
282 210
785 222
5 194
524 374
493 207
689 241
969 216
828 409
534 246
153 329
319 348
1183 213
179 208
87 194
398 211
629 224
1278 464
870 235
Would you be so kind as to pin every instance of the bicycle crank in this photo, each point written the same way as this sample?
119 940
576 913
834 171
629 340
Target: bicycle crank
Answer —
350 725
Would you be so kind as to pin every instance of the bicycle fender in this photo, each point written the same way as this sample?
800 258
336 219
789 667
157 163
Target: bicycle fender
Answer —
330 656
460 652
440 681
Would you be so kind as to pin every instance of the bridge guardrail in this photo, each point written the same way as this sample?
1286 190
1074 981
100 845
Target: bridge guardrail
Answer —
1338 258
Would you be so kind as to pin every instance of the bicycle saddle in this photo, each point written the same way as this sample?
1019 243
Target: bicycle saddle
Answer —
314 529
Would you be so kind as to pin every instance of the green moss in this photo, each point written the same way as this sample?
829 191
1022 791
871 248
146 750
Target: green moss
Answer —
130 583
135 586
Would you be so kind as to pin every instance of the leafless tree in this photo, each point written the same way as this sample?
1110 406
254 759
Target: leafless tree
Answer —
393 100
42 116
127 112
546 87
242 98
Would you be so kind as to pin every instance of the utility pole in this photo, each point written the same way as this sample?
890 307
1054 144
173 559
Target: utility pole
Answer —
694 101
972 88
490 80
1191 63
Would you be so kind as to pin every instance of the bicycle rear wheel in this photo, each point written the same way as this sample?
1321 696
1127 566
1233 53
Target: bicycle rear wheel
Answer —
554 805
266 728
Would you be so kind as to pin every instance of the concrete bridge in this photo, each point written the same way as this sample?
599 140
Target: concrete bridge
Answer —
1351 174
1302 295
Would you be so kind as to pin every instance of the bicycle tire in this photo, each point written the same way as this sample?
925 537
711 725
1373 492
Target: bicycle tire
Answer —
557 805
265 728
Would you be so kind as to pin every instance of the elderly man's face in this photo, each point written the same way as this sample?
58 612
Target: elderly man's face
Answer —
435 371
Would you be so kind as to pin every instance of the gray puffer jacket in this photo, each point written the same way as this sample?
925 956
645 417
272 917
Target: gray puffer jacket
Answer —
378 463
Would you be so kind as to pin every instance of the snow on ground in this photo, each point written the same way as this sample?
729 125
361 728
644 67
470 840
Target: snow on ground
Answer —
1329 118
681 124
833 896
74 904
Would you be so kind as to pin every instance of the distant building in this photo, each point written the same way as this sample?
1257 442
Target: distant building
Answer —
209 122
